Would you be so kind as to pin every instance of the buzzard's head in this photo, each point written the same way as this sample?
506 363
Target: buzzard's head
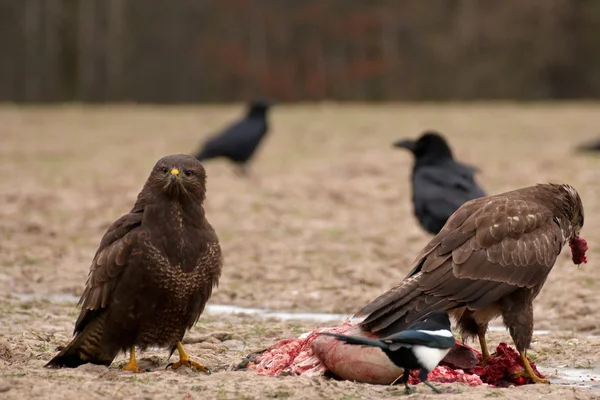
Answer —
179 175
573 210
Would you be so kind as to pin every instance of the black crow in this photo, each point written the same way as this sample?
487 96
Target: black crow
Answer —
440 184
421 346
239 141
592 145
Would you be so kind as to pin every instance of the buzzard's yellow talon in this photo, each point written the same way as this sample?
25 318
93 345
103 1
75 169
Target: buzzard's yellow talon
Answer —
190 364
529 370
133 368
537 379
132 365
184 360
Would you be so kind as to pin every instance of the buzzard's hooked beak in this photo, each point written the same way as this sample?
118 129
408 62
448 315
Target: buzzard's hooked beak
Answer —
406 144
174 174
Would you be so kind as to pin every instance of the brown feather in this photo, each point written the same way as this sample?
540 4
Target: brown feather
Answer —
153 272
491 250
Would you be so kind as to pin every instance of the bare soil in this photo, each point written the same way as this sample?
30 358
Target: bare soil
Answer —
324 224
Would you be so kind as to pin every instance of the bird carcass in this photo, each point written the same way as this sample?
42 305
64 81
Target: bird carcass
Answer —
313 354
490 259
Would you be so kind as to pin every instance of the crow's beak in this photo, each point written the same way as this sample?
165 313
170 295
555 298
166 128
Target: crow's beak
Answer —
405 144
174 174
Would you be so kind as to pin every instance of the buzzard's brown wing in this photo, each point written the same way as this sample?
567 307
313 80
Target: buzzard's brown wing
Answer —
487 249
109 263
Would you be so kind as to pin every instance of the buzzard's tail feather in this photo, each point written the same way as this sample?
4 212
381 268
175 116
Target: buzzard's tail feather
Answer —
390 300
394 303
68 358
396 320
84 348
361 341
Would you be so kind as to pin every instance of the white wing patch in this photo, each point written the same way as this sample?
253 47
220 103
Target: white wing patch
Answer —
441 332
429 357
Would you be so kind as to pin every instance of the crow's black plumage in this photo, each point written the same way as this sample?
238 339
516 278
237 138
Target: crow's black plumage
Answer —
239 141
421 346
440 184
591 146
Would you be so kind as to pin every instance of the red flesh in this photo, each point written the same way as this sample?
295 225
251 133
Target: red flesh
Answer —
504 368
316 354
578 247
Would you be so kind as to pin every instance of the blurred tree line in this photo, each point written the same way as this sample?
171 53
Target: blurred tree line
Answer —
291 50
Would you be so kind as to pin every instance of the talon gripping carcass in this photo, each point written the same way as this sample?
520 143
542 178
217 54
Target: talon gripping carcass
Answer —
490 260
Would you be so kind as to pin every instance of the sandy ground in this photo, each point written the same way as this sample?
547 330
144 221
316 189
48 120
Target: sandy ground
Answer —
324 225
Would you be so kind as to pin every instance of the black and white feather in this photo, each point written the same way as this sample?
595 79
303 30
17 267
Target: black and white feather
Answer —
421 346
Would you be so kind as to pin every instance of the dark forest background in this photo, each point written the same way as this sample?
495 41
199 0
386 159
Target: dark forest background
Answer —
172 51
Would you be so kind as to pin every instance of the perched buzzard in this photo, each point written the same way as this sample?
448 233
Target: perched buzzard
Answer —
152 274
440 184
239 141
490 259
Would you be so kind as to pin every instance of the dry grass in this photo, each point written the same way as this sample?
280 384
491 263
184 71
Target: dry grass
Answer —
325 224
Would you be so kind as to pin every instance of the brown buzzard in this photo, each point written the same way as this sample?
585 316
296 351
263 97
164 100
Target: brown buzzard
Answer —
152 274
490 259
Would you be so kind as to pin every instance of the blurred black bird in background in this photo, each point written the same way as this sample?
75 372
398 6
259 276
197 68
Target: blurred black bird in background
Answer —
239 141
422 345
440 184
592 145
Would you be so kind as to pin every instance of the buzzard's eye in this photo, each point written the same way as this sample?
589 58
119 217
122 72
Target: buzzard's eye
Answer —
188 173
164 169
